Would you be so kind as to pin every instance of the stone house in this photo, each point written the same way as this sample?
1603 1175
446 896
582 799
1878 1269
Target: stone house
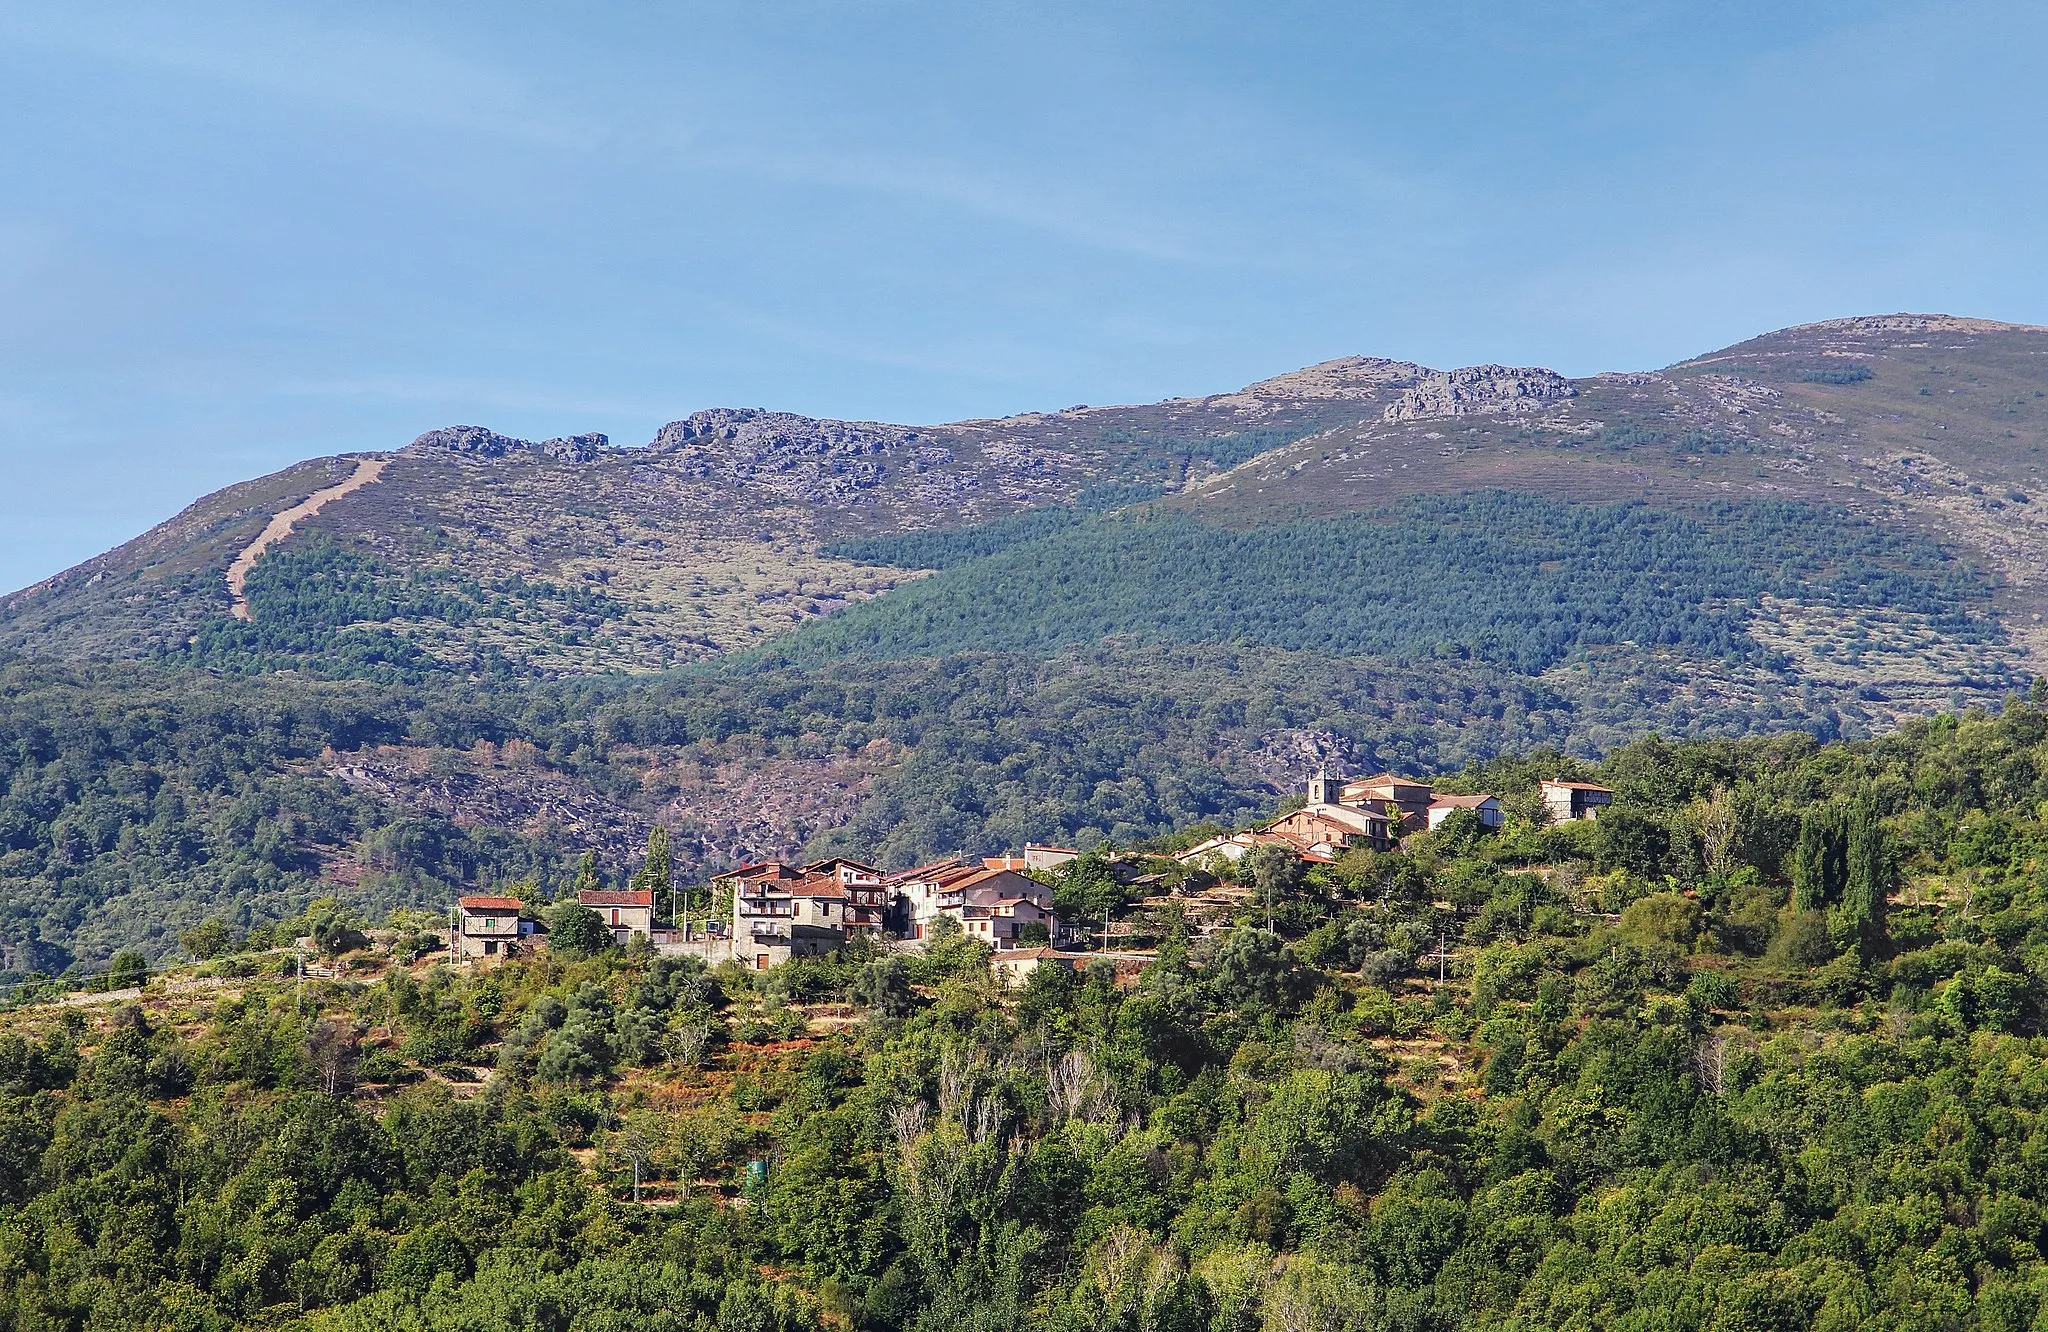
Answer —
867 901
780 912
1392 793
626 911
1331 829
487 926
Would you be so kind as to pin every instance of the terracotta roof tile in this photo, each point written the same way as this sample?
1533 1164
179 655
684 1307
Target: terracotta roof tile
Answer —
596 897
488 903
922 871
773 869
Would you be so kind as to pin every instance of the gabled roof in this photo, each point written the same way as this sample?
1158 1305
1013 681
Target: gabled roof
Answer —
819 866
620 897
819 886
1344 816
481 903
762 869
1460 801
922 872
981 874
1041 846
1578 786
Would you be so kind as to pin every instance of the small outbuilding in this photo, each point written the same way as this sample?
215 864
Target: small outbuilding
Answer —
1569 801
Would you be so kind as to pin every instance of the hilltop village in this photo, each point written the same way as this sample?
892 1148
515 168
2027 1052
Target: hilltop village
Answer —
778 911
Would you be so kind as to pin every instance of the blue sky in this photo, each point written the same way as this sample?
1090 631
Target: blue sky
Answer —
232 236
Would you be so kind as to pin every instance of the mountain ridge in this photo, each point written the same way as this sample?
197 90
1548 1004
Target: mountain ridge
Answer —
710 537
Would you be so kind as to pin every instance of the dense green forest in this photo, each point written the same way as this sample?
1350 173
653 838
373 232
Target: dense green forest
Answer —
136 799
324 607
1513 580
1761 1049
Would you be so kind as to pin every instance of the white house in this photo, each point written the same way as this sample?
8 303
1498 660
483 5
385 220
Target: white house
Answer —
1485 806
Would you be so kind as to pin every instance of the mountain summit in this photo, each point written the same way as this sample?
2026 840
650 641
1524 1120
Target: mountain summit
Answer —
731 526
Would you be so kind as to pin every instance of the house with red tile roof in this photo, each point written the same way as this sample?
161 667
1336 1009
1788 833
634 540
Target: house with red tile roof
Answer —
867 900
992 901
1229 848
780 912
1394 793
626 911
1485 806
486 926
1331 829
1013 966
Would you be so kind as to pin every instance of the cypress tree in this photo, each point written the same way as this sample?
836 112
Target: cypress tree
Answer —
657 875
1867 880
586 877
1820 860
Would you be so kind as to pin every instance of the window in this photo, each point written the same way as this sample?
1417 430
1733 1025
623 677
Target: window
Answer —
760 961
615 915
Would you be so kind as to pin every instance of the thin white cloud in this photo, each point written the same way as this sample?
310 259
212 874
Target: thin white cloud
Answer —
354 67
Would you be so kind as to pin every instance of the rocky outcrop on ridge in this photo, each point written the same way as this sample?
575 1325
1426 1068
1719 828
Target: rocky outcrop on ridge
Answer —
1480 390
830 458
483 442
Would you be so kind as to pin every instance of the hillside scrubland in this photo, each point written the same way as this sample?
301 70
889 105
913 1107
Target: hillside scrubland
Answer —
1761 1048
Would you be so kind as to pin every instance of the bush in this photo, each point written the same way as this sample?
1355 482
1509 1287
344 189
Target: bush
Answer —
577 931
883 988
130 969
1801 940
208 939
1663 918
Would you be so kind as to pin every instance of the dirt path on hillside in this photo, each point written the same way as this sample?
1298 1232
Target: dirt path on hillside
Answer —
280 527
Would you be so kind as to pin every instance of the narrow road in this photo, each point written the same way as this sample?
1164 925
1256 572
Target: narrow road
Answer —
280 527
